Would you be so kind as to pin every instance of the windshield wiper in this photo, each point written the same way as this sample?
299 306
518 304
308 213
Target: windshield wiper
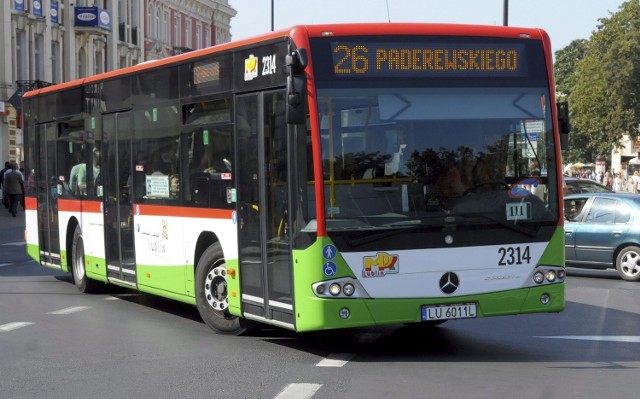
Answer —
511 226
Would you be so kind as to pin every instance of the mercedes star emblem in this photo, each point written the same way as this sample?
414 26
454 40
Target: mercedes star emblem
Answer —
449 282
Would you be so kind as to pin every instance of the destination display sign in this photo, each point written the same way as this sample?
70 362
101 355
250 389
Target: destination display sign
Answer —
388 60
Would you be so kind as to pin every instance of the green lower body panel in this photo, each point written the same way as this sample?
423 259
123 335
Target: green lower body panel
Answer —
324 313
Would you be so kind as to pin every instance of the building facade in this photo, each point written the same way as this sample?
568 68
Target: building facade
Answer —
55 41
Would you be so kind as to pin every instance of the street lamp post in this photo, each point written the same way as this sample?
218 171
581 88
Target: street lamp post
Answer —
272 15
505 13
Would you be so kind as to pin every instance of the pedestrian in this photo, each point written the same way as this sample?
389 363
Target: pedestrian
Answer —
618 183
14 186
608 180
5 197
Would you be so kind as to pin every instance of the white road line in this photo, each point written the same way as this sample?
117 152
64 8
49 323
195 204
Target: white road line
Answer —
607 338
72 309
5 264
14 326
335 360
17 243
298 391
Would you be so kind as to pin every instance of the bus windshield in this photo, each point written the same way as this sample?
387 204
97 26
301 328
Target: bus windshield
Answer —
402 152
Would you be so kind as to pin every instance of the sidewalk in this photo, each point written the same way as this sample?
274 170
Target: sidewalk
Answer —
11 228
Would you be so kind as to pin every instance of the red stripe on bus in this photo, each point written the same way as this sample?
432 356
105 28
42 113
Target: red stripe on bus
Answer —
163 210
76 205
30 203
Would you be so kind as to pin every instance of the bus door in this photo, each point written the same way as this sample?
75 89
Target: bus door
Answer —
47 194
118 197
264 246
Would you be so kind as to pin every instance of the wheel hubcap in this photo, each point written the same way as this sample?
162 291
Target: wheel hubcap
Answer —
215 288
78 265
629 264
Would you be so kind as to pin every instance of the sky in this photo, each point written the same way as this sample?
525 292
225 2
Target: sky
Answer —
564 20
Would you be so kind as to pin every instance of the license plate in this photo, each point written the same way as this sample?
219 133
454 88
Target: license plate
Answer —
449 312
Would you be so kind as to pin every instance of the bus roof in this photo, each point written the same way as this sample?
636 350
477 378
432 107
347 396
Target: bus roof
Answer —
322 30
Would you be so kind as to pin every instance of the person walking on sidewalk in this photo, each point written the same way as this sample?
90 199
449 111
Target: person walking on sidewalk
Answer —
14 186
5 196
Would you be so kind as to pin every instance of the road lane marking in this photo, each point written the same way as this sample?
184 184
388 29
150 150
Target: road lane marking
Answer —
17 243
298 391
14 325
70 310
5 264
606 338
335 360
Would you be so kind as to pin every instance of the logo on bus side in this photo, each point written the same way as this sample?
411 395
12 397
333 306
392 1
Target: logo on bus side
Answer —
250 68
380 265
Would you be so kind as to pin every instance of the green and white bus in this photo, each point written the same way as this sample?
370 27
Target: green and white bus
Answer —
318 177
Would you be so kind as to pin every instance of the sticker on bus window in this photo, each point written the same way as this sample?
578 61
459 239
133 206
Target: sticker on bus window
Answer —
250 68
518 211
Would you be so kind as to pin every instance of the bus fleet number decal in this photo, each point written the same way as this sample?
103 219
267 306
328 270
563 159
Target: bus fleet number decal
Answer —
514 256
269 65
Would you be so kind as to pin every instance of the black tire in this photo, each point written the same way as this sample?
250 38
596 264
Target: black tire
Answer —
211 293
80 279
628 263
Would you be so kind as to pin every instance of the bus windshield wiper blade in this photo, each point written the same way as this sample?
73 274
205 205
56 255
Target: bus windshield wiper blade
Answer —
379 236
511 226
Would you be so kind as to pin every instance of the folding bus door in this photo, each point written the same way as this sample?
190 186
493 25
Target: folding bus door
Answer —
47 192
118 198
264 247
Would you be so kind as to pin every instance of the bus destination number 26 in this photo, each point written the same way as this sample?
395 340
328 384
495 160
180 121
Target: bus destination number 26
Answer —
509 256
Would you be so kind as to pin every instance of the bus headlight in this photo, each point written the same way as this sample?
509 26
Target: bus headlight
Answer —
538 277
550 275
334 289
348 289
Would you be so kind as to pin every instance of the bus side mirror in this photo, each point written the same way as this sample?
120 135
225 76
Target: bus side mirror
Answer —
296 62
563 124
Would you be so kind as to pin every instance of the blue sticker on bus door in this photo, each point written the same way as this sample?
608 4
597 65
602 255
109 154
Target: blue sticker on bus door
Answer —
329 269
329 251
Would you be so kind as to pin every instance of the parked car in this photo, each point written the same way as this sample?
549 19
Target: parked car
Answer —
602 230
576 185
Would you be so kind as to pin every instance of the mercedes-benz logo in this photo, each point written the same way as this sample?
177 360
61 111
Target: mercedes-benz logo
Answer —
449 282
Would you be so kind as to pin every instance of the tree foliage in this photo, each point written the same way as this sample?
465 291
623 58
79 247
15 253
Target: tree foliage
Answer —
601 79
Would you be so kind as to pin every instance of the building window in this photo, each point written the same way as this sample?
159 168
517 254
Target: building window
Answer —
198 36
55 62
158 25
99 62
82 63
149 20
187 33
176 31
207 36
21 55
39 56
165 27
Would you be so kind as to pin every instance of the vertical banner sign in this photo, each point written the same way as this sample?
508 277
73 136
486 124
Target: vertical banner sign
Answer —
54 13
18 5
37 8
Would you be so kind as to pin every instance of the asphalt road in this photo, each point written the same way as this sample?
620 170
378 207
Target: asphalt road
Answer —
58 343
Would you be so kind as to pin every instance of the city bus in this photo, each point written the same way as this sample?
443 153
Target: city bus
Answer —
318 177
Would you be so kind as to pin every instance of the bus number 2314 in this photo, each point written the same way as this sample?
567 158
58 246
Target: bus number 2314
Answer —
513 256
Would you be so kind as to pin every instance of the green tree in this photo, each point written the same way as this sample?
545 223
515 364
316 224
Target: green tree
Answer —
565 66
603 98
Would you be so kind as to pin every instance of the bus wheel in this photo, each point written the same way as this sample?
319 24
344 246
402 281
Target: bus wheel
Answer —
211 293
84 284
